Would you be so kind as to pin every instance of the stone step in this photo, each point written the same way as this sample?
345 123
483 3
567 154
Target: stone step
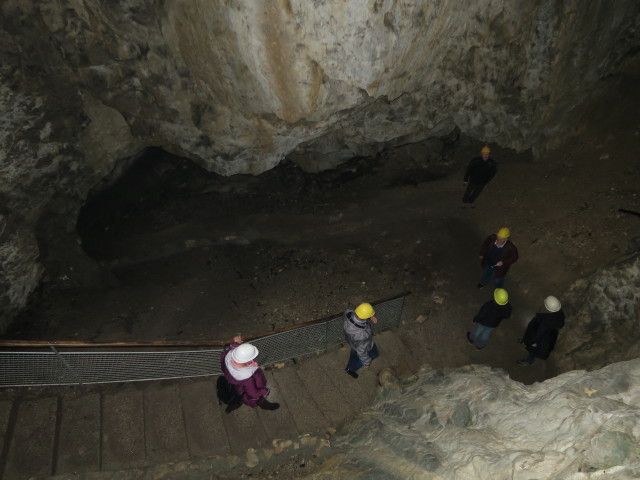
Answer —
122 426
293 394
132 426
30 449
206 433
79 435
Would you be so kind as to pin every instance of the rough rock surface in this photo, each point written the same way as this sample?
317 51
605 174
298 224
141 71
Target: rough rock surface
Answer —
238 86
603 326
476 423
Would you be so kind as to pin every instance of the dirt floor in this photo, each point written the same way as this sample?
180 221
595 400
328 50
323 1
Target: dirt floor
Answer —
195 256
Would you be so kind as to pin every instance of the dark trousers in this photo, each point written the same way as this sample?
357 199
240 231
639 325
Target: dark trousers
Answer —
472 192
355 363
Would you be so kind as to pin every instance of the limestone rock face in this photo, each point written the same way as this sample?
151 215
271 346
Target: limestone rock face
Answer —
603 314
237 86
475 422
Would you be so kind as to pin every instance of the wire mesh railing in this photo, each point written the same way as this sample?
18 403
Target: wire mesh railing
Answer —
97 365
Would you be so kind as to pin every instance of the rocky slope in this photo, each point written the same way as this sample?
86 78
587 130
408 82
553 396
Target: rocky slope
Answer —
476 423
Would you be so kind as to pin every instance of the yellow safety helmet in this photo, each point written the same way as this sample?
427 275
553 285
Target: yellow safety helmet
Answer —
504 232
364 311
501 296
485 149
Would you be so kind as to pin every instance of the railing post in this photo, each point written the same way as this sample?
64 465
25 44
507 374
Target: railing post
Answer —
66 364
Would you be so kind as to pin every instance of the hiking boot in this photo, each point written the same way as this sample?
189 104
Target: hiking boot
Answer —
524 363
232 406
353 374
267 405
469 337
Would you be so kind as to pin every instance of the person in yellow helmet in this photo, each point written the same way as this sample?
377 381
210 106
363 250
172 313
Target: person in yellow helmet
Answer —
489 317
497 254
479 172
359 336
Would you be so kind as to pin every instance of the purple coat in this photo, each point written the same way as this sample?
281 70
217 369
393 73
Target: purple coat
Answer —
251 390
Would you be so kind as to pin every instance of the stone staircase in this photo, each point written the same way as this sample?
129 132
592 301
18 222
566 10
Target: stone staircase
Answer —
77 430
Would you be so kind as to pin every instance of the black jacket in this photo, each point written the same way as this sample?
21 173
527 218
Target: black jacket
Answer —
491 314
542 332
479 171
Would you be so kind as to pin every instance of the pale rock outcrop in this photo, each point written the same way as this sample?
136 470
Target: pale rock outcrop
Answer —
603 318
476 423
238 86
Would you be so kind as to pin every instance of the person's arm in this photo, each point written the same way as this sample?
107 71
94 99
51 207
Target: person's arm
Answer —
510 255
467 172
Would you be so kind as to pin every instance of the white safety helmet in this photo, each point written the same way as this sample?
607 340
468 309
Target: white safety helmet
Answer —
244 353
552 304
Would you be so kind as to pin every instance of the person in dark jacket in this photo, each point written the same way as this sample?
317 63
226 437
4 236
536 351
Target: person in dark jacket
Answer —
359 336
479 172
497 254
489 317
248 379
542 332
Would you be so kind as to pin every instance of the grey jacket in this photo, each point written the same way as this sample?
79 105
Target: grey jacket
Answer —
359 338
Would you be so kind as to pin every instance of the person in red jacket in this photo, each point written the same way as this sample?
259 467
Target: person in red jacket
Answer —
248 379
497 254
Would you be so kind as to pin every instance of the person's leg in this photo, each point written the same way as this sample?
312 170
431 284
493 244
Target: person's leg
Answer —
373 353
486 276
353 364
466 198
265 404
499 282
531 358
482 336
474 333
475 191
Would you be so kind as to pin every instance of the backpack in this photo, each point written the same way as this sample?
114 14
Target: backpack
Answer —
225 391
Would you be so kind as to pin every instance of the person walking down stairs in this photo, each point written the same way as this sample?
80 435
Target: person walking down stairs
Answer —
246 377
359 336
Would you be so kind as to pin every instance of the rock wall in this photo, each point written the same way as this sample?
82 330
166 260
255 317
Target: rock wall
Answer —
603 314
476 423
237 86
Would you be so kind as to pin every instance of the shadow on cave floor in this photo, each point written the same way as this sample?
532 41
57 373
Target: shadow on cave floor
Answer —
197 256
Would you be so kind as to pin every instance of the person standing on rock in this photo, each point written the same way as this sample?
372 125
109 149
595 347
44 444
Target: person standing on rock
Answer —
497 254
489 317
479 172
246 377
359 336
542 332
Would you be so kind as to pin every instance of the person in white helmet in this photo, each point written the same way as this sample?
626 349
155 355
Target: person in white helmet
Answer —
542 332
359 336
240 369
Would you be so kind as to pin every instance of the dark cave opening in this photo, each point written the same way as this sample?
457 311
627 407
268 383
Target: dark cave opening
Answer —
158 191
